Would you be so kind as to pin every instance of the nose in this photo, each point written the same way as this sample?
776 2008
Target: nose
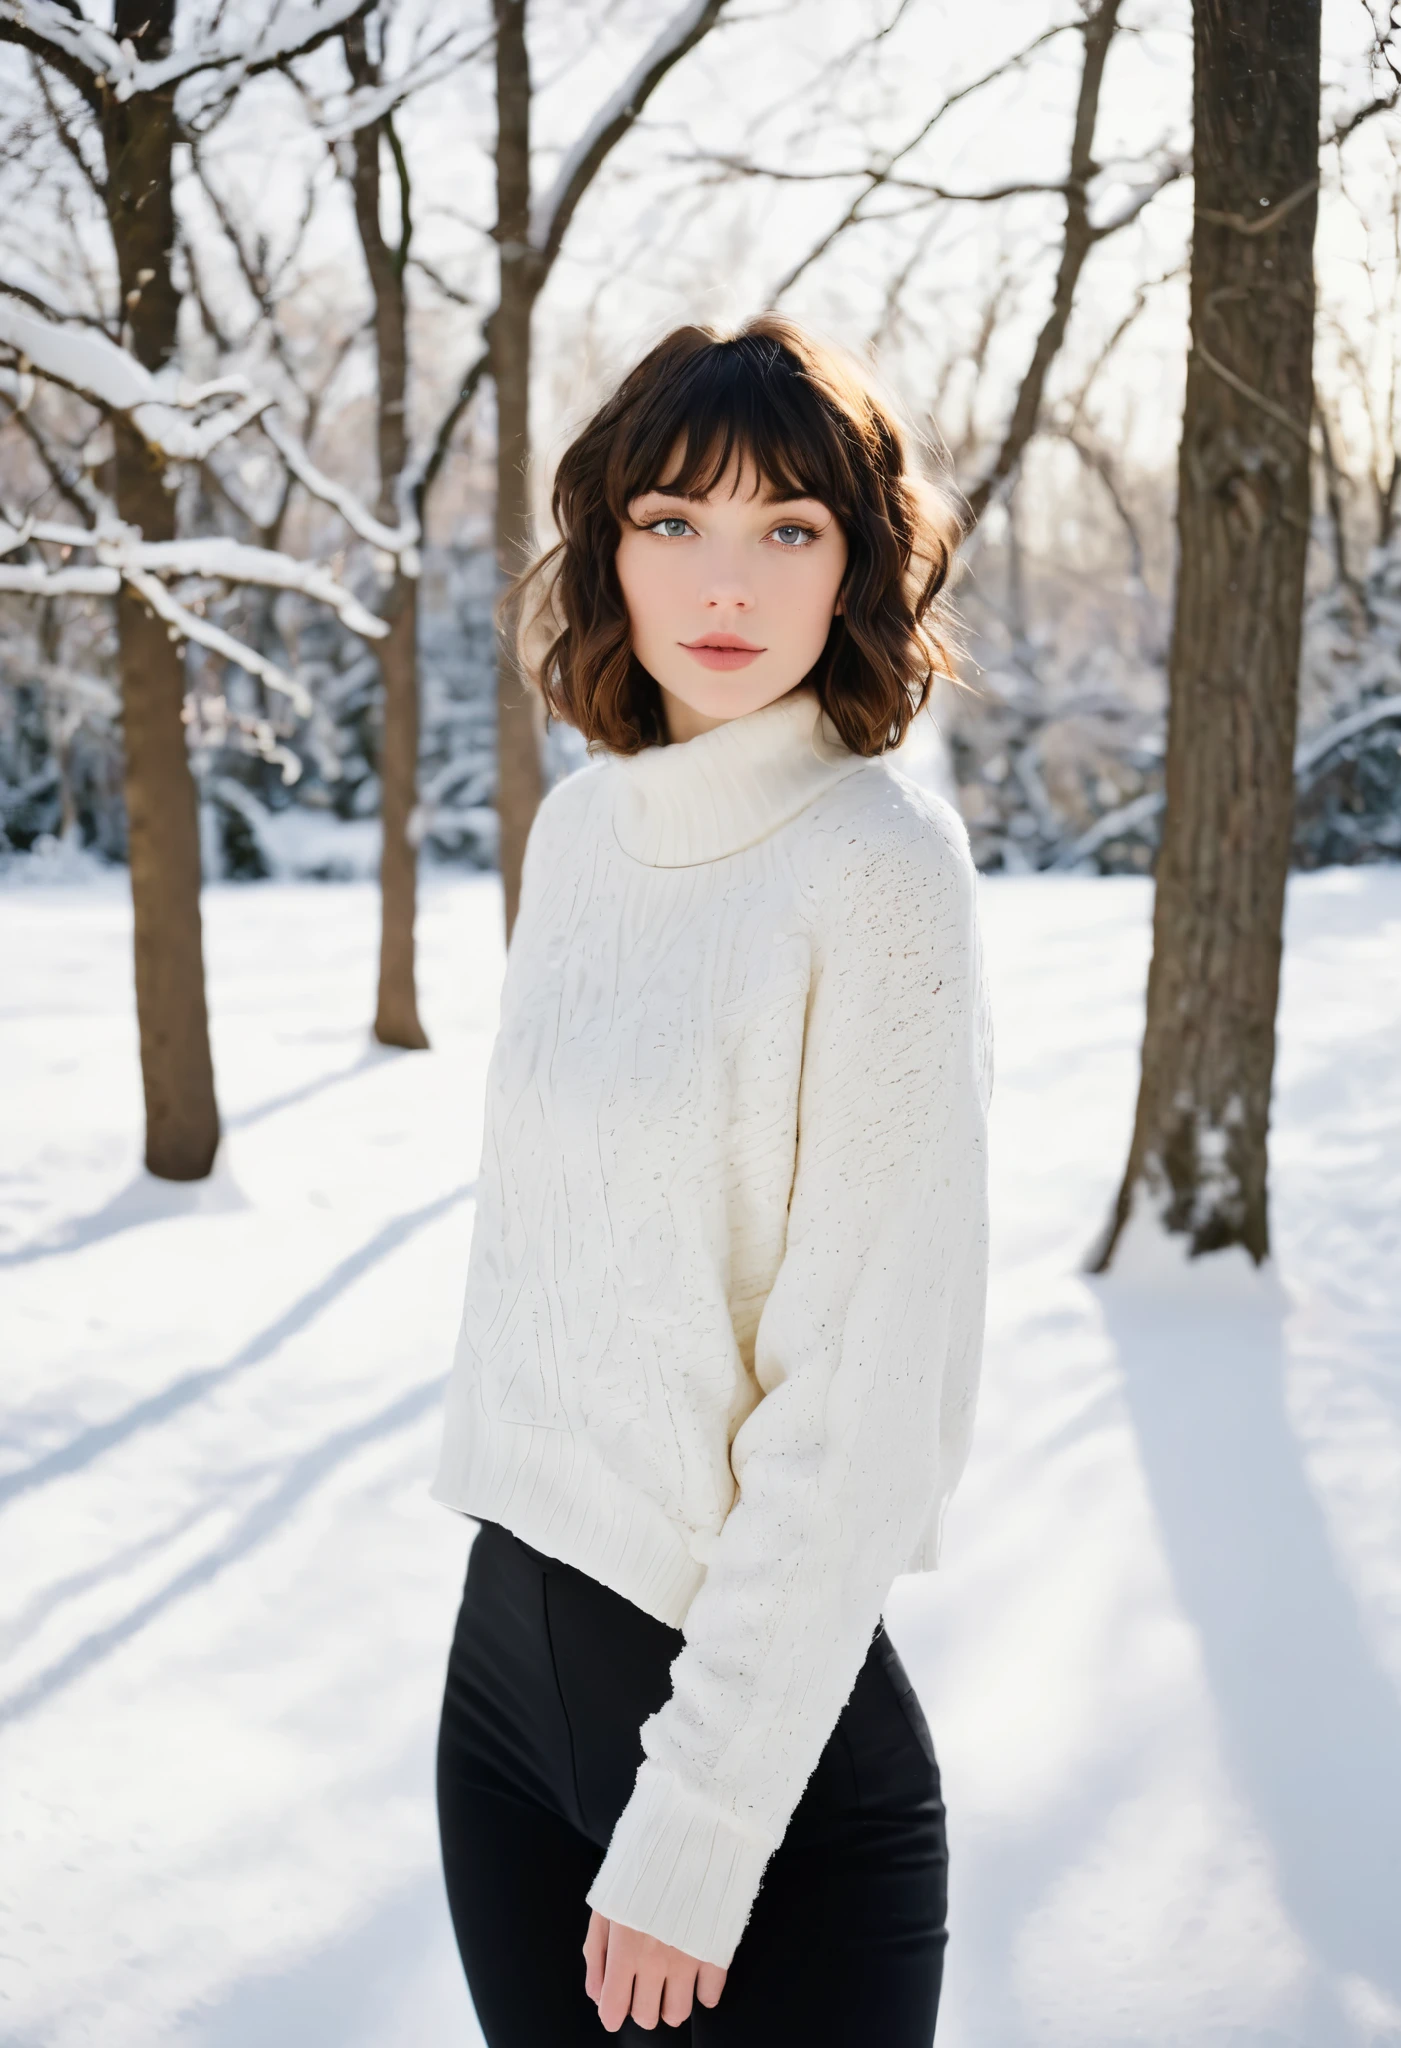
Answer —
727 587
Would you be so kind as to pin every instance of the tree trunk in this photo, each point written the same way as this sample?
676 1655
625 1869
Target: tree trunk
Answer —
518 776
396 1011
182 1118
1199 1144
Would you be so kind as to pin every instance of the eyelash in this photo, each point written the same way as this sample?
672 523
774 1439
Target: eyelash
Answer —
787 526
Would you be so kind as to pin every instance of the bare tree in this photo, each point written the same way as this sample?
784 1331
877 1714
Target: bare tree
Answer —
396 1007
529 233
125 82
1198 1152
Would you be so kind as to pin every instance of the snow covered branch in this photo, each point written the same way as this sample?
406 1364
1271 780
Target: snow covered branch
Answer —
400 541
158 404
48 25
551 215
122 556
1312 753
37 579
190 626
229 561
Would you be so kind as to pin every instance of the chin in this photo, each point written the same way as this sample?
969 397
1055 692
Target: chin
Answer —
729 696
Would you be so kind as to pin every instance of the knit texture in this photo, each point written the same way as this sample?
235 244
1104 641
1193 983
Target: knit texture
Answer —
725 1296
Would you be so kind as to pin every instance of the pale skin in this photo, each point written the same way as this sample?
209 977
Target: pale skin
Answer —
698 575
741 564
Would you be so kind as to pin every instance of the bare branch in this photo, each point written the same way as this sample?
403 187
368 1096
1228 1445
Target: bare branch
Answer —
1262 224
1079 238
28 298
1170 167
259 286
1099 463
441 284
447 427
877 175
1136 306
1247 391
1352 122
65 473
820 247
69 141
213 326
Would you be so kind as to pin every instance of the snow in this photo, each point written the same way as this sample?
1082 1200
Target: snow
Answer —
1162 1661
234 562
291 30
84 359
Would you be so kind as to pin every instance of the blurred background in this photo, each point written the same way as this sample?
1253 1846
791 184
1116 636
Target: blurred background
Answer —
297 306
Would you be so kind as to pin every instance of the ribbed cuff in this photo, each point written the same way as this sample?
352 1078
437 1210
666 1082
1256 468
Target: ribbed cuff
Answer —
681 1869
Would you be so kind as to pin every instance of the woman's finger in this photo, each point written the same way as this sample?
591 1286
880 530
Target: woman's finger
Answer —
676 1998
595 1954
615 1998
710 1982
647 1988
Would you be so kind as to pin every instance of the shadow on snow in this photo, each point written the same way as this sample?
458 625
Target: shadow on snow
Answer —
260 1522
91 1443
1309 1723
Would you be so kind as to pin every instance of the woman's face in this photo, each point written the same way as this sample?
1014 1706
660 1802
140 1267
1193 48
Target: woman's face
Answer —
730 596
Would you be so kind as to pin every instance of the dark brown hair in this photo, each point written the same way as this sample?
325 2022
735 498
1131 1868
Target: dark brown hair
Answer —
810 425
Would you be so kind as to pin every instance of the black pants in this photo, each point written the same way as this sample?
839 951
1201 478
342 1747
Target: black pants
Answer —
550 1679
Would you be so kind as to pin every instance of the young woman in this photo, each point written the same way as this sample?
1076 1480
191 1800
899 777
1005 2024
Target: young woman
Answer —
724 1309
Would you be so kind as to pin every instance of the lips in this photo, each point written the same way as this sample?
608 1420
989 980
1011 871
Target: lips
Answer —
722 651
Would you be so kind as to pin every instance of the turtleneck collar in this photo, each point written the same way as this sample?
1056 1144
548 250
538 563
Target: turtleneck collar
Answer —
698 800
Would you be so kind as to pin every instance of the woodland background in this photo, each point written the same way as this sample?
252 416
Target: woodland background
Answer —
297 302
893 174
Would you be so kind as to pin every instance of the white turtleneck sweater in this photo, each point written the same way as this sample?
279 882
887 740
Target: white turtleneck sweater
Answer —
725 1296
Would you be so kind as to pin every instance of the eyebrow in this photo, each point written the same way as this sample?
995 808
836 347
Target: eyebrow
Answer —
700 497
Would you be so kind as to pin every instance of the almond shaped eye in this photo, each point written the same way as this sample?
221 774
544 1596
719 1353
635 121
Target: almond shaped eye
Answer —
792 536
671 528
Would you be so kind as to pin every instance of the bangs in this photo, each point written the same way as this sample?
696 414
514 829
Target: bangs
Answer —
745 402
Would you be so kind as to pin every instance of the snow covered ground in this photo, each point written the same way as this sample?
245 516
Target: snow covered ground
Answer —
1162 1665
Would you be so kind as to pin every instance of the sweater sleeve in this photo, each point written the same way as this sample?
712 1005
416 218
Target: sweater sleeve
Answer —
867 1360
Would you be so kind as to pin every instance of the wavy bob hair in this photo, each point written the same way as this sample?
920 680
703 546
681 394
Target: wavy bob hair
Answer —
806 422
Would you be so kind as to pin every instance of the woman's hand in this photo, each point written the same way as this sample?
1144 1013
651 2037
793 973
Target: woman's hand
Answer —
628 1972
